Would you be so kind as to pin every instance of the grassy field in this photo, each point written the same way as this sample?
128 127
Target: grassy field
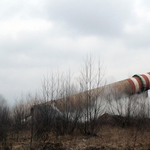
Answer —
107 138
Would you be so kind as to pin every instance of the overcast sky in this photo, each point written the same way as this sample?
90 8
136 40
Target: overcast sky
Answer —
37 36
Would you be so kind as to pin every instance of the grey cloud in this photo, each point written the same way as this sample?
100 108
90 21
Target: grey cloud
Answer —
76 24
145 4
10 9
36 50
138 41
23 8
92 17
139 35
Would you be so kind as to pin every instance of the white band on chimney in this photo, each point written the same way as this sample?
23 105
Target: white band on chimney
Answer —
144 83
148 76
137 87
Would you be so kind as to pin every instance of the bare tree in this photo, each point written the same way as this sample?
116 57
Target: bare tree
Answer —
127 108
5 120
59 93
89 82
51 114
21 113
68 106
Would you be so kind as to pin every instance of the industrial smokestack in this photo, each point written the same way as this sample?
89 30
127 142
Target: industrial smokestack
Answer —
138 84
134 85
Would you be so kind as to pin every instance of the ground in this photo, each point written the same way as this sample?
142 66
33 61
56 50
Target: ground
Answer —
108 138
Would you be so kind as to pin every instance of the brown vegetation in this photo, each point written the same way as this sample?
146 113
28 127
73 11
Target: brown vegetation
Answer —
109 137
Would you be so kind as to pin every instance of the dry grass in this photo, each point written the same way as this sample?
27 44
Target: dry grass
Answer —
108 138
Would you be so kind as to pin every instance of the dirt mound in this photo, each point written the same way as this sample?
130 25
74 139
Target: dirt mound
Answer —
107 119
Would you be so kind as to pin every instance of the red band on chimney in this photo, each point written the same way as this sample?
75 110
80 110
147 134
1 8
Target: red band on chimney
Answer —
148 73
147 81
132 85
